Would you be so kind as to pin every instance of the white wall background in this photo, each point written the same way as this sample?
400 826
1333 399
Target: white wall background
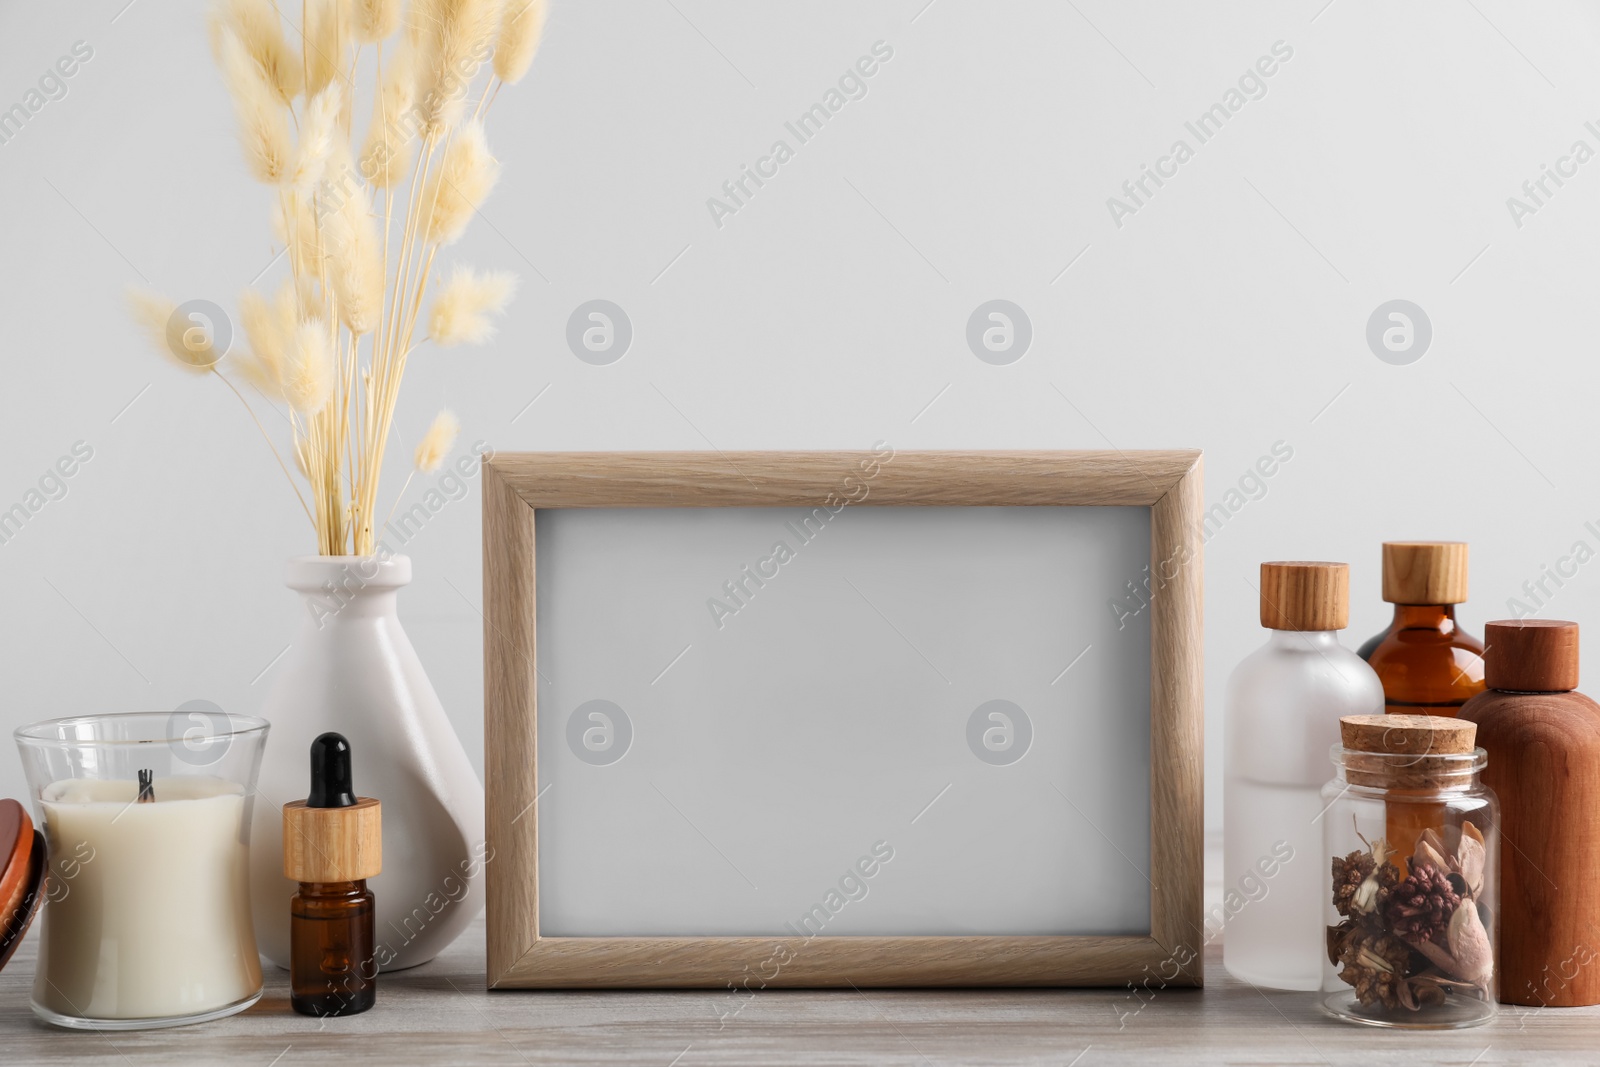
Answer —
1229 313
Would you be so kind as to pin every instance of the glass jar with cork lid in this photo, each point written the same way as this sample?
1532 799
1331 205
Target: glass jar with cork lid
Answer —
1411 924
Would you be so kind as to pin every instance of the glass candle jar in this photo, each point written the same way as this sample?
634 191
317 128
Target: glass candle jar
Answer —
147 819
1411 924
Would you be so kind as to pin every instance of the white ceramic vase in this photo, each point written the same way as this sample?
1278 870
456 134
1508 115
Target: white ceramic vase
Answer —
351 669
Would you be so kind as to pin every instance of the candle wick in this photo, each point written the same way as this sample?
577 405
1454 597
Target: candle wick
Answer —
147 793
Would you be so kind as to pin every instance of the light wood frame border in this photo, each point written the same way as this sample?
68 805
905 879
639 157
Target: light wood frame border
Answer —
1168 482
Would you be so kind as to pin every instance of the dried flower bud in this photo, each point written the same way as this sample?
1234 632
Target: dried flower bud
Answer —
1420 907
1376 964
1360 884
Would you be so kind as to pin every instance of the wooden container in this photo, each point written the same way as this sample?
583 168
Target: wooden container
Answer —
1543 741
22 875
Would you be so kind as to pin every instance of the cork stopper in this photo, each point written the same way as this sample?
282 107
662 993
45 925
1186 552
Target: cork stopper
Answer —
1425 572
1408 735
1301 595
1531 655
1407 751
333 835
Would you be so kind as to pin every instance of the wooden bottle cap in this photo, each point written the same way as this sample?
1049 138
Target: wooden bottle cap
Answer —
1531 655
1408 735
333 844
1301 595
22 871
1425 572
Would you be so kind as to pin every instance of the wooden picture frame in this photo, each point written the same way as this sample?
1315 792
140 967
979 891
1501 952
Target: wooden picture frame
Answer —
1167 482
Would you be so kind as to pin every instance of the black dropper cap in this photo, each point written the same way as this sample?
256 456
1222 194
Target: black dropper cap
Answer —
330 773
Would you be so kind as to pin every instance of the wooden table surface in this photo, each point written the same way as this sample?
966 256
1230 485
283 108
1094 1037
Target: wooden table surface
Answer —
441 1014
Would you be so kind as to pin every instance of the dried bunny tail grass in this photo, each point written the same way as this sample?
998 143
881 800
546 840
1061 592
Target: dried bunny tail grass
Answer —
521 28
453 30
152 311
255 371
435 444
388 146
373 20
286 311
308 373
264 366
263 118
190 345
294 223
420 20
355 258
259 29
302 458
327 35
317 132
460 185
454 37
271 329
461 310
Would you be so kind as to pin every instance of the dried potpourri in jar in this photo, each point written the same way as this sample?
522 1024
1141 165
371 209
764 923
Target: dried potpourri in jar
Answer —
1411 936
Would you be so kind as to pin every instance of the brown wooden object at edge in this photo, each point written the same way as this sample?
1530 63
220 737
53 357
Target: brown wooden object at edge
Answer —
1544 765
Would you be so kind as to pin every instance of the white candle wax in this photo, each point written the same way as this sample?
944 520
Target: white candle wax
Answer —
149 913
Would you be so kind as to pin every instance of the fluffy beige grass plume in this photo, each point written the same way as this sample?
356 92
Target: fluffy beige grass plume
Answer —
365 121
462 310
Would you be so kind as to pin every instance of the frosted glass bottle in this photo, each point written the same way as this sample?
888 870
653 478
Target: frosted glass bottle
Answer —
1282 709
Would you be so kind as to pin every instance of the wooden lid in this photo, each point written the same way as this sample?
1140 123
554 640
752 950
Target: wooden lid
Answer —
1425 572
333 844
22 863
1407 751
1531 655
1408 735
1301 595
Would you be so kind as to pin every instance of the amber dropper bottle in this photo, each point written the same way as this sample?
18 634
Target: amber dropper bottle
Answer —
1428 664
332 843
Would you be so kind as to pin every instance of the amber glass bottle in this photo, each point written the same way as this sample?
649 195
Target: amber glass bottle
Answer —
332 843
1428 664
333 959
